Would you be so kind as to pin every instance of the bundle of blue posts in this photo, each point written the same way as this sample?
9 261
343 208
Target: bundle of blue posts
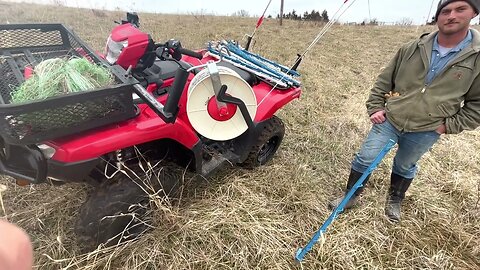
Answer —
267 69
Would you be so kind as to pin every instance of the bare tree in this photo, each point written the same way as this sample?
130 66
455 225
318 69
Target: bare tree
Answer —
241 13
60 3
404 22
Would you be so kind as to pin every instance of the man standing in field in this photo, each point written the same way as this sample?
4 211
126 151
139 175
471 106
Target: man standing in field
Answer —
431 87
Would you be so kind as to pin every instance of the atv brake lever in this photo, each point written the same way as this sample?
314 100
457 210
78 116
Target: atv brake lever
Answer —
163 53
204 65
210 61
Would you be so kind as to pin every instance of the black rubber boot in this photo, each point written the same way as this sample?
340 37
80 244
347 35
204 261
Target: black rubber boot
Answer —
396 194
352 179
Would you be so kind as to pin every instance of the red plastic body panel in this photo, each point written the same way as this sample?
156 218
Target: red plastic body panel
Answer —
144 128
270 101
137 44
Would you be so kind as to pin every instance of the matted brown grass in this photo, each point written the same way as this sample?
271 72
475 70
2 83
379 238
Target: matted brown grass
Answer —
257 219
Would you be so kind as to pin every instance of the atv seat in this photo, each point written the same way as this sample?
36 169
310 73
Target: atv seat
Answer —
166 69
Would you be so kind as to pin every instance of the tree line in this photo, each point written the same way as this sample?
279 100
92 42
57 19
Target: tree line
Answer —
314 15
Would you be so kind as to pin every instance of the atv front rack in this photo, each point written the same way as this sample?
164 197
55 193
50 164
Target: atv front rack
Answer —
22 47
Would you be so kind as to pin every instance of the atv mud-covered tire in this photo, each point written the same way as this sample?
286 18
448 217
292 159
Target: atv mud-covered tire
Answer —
267 143
118 209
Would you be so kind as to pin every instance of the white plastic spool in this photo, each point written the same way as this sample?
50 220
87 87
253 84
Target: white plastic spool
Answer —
201 91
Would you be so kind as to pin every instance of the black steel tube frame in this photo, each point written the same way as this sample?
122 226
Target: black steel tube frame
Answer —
35 159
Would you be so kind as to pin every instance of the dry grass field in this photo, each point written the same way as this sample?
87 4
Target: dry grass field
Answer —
241 219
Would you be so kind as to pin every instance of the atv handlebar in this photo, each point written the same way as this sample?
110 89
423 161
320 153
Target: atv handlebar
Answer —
190 53
174 49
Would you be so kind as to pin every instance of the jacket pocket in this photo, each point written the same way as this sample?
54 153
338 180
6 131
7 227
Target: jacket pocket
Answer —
455 82
392 100
462 65
447 110
462 71
397 105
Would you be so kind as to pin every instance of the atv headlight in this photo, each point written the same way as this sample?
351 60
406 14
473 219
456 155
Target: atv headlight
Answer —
114 49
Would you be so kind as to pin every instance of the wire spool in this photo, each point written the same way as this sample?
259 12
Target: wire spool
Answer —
202 110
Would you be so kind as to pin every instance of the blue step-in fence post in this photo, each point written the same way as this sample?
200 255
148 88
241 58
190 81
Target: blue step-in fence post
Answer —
301 252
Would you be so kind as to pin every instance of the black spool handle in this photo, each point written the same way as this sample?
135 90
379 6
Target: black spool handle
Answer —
232 100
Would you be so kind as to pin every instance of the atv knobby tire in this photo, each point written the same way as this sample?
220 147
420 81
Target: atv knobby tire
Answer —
118 209
267 144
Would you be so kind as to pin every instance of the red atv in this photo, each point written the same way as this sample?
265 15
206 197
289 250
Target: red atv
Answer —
170 106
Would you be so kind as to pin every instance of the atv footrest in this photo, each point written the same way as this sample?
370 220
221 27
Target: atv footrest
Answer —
216 161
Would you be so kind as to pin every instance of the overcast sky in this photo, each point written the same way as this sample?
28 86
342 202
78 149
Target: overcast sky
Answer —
382 10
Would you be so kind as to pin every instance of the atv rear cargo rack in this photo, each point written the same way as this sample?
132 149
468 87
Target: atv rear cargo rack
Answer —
24 46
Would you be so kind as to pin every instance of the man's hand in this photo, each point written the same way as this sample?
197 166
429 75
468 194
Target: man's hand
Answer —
378 117
441 129
15 248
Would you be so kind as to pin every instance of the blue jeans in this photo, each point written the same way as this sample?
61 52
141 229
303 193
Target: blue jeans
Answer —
411 147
